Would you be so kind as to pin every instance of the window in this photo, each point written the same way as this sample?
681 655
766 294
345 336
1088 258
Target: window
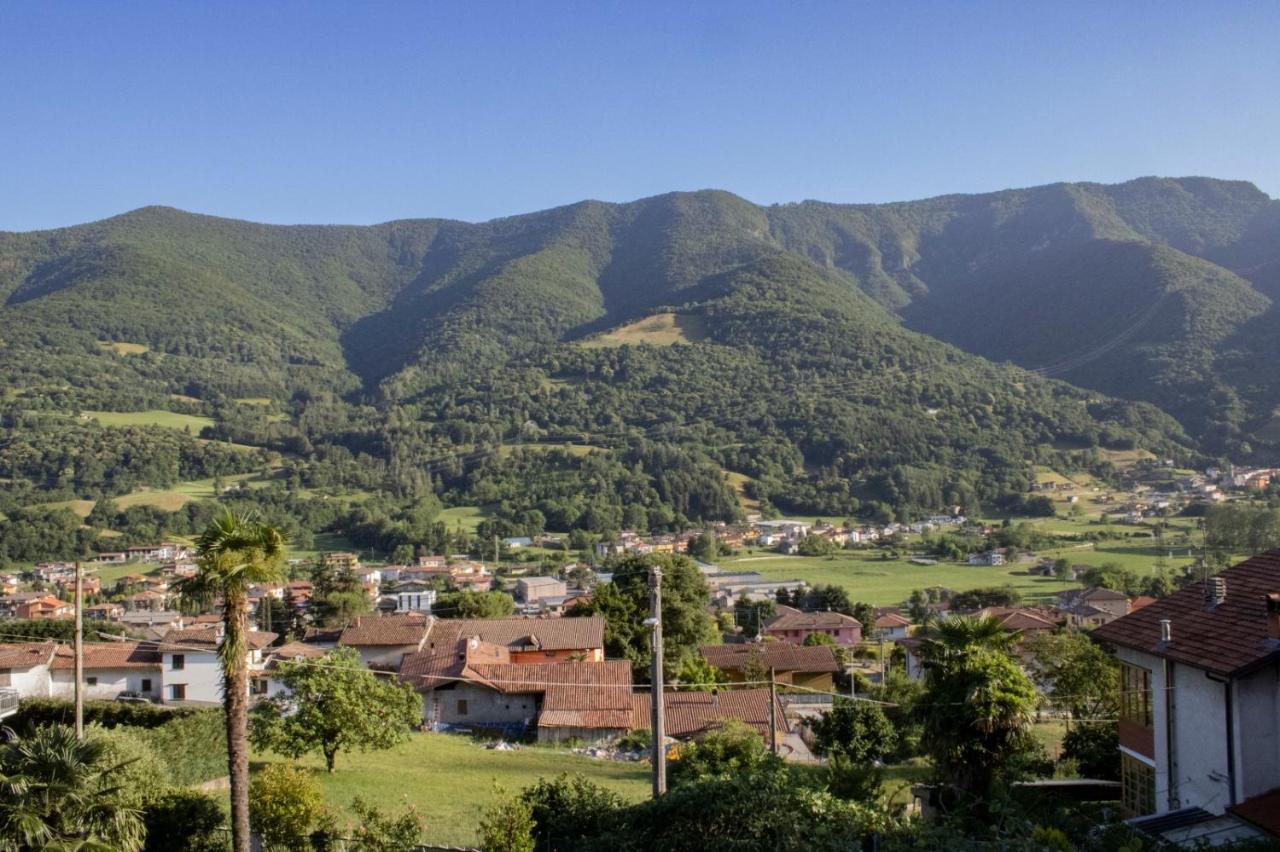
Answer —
462 706
1137 786
1135 695
258 686
146 684
178 692
179 662
91 681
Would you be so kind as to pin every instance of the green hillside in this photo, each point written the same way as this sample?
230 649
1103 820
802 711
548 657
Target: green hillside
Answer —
844 359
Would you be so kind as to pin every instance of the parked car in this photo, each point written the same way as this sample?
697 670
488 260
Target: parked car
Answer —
134 697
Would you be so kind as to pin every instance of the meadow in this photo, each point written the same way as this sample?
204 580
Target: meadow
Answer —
153 417
451 780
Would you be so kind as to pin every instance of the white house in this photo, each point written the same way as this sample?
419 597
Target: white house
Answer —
25 667
382 640
190 671
415 597
1200 707
110 668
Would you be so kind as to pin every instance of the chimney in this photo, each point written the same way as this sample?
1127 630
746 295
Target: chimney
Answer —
1215 592
1166 631
1273 615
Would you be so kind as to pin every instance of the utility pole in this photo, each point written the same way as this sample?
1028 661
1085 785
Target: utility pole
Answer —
884 671
657 692
773 712
79 652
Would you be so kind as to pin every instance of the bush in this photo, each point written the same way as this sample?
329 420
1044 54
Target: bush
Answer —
569 809
507 827
853 781
1095 747
637 740
39 712
858 729
732 749
284 803
193 744
143 776
184 819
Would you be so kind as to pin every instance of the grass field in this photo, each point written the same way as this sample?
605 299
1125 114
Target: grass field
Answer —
154 417
120 347
451 780
578 450
109 574
469 516
324 543
739 481
884 583
664 329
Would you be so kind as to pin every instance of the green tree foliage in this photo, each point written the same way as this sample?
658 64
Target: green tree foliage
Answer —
337 596
1231 528
976 599
333 705
184 819
732 749
977 704
569 811
815 545
60 792
695 673
375 831
473 604
1080 675
143 775
507 826
686 625
857 729
1095 747
285 803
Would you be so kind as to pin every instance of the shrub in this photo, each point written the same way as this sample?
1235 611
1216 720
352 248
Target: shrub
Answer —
1095 747
507 827
731 749
142 776
638 740
184 819
858 729
569 809
284 803
193 744
39 712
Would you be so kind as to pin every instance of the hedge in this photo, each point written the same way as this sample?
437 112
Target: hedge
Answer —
38 712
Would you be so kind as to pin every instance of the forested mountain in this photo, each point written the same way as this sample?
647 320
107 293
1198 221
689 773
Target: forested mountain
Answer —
685 336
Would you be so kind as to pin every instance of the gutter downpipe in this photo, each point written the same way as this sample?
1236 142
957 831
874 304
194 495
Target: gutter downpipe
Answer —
1171 742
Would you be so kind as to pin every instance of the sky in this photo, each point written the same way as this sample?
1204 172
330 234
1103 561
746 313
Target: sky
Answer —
358 112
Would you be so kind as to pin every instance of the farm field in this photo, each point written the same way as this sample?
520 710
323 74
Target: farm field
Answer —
887 582
450 780
664 329
468 516
154 417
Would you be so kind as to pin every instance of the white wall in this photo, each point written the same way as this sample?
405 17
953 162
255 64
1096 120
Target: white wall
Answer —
1257 721
31 683
202 675
111 682
388 655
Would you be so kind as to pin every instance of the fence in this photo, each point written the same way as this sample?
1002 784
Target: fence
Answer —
343 844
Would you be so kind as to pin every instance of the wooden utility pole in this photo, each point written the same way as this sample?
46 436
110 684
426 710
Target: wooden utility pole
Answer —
657 692
773 712
79 652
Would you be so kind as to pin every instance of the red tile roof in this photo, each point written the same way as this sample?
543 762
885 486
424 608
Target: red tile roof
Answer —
575 694
890 620
793 619
782 656
26 655
1019 620
110 655
404 629
692 713
207 638
1224 639
293 651
543 634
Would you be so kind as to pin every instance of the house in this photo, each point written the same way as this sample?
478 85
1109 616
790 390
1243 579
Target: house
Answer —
25 668
474 685
111 558
414 597
1200 706
104 612
535 589
110 668
42 606
893 625
264 684
382 640
527 640
688 715
190 670
1092 607
340 561
146 601
517 542
991 557
812 667
1023 621
792 625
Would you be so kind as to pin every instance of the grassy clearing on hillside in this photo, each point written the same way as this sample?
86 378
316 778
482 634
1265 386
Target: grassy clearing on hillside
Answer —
739 481
325 543
884 583
468 516
154 417
664 329
578 450
451 780
121 347
109 574
80 507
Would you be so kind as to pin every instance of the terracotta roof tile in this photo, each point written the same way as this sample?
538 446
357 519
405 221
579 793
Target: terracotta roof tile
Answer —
544 634
206 637
890 620
26 655
691 713
783 656
1223 639
793 619
110 655
405 629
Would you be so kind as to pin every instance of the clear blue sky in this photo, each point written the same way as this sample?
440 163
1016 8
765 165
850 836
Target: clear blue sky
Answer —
362 112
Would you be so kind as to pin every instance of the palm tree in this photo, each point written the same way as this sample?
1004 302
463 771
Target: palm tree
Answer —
58 792
957 635
233 553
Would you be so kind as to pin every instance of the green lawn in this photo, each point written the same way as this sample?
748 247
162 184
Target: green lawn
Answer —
154 417
469 516
326 543
451 780
883 583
